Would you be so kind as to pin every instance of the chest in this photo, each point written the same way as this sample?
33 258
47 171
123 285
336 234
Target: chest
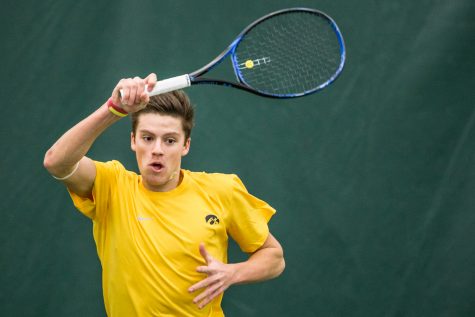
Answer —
171 228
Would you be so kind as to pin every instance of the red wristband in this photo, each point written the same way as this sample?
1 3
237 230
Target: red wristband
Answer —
115 109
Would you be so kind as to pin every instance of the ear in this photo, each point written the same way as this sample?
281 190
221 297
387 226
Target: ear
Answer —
132 141
186 147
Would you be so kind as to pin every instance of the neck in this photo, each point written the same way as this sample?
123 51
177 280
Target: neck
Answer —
173 182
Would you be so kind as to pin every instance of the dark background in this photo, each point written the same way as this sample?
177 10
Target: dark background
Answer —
373 178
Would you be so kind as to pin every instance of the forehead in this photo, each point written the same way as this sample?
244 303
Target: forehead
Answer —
159 123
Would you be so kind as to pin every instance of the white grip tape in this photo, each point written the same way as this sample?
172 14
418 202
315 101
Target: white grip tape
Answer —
167 85
170 84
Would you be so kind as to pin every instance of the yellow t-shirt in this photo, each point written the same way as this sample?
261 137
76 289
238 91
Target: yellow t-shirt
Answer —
148 242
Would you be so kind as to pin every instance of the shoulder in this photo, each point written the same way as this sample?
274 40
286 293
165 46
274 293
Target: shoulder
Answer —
112 165
112 169
215 182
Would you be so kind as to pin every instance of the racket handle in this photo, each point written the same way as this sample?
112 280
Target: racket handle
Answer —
170 84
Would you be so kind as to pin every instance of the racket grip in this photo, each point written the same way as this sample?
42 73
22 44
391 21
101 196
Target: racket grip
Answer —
166 85
170 84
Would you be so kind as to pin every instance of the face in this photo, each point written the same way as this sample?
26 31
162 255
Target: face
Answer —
159 144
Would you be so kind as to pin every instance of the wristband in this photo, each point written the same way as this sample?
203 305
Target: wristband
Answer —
118 111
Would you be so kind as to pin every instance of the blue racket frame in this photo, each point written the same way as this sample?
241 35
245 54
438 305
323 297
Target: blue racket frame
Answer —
241 84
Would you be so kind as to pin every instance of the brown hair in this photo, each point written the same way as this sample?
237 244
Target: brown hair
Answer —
175 104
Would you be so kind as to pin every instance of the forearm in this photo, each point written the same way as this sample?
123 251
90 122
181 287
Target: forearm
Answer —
262 265
75 143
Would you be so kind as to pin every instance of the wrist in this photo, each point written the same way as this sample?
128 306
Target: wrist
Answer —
116 109
236 275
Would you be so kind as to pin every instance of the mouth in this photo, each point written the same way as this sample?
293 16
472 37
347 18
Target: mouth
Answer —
156 167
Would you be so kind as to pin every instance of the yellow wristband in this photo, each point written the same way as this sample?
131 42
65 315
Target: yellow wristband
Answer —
115 109
117 113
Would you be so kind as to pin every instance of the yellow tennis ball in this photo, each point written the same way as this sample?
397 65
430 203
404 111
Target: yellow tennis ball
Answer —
249 64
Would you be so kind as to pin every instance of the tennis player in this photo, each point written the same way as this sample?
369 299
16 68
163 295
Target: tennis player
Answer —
162 236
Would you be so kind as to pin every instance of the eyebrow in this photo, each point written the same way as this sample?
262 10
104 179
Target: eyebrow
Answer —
145 131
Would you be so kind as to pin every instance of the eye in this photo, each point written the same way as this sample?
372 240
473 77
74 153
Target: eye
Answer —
147 138
170 141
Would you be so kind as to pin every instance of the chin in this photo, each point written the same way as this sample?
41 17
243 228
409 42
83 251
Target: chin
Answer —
157 181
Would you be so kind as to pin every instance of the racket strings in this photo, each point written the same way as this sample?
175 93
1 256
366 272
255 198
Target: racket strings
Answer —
289 54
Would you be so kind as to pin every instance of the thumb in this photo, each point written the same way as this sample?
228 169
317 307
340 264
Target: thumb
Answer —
205 253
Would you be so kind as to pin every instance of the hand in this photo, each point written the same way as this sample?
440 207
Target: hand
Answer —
220 277
130 93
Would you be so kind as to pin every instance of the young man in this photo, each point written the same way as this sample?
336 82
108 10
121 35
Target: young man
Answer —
161 236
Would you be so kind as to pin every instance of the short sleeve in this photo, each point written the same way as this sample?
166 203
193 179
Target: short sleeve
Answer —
248 217
104 184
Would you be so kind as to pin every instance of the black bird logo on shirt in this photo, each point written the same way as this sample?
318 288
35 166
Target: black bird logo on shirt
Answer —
212 219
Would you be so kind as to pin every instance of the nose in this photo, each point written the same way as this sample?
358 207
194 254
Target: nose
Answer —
157 148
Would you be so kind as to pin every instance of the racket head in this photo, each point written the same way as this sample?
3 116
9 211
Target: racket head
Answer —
288 53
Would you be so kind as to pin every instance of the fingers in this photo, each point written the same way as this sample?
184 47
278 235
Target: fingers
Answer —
208 295
198 286
132 93
213 287
202 284
131 90
150 81
204 269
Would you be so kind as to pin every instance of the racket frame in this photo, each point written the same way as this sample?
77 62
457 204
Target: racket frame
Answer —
195 78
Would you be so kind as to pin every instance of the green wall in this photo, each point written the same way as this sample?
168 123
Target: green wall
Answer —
373 178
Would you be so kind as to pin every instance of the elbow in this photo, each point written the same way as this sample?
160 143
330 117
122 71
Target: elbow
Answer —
47 161
50 162
280 266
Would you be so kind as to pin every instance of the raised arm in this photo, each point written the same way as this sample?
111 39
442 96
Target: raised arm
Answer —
66 159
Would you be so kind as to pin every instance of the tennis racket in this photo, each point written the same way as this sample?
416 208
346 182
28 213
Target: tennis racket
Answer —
287 53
